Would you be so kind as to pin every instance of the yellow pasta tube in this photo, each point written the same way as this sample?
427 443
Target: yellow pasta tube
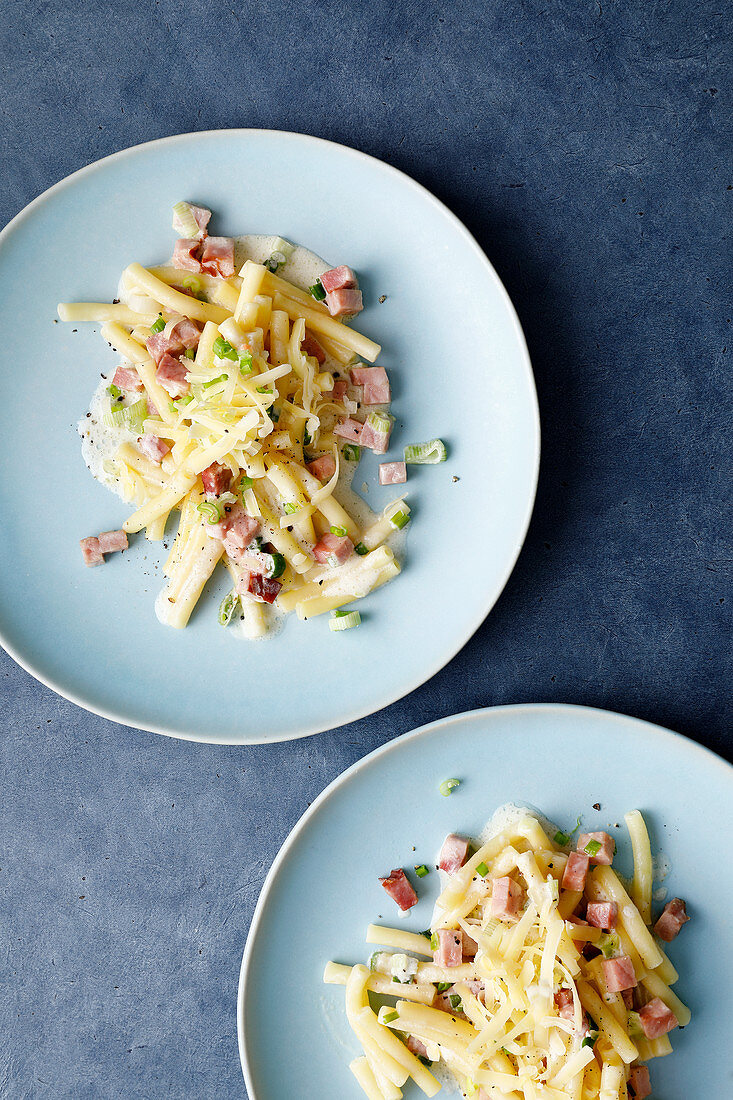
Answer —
401 941
641 887
172 299
608 882
252 278
363 1073
283 541
103 311
422 1077
609 1026
329 508
135 353
161 504
336 974
132 457
188 591
319 322
654 984
279 336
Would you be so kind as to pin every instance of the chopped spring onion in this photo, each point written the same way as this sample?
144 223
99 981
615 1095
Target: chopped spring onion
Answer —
590 1040
351 452
214 381
276 261
256 544
281 245
192 284
190 353
434 942
317 291
114 391
373 959
421 870
426 454
307 437
554 886
227 608
278 566
336 530
209 510
245 483
227 498
274 414
245 363
399 520
593 847
291 509
636 1031
609 944
264 389
448 786
339 613
344 622
455 1000
333 561
360 549
130 417
184 220
390 1017
561 838
379 421
482 869
224 349
158 326
442 987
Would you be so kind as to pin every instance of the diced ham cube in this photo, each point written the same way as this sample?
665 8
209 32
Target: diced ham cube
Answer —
656 1019
399 889
310 346
171 375
638 1084
185 333
338 393
338 278
264 588
602 914
674 915
392 473
159 345
506 898
349 429
91 551
333 549
323 467
450 948
619 974
153 447
477 987
628 998
375 383
344 303
216 479
127 378
453 854
376 440
217 256
186 254
110 541
470 946
416 1046
605 852
241 529
564 1004
200 213
576 870
442 1001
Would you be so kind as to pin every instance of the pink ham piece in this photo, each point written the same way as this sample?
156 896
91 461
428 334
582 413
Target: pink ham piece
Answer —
217 256
605 852
564 1004
201 215
159 345
442 1002
185 333
399 889
417 1047
349 429
674 915
240 530
110 541
470 947
392 473
91 551
618 974
638 1084
171 375
264 588
323 467
628 998
344 303
216 479
377 441
338 393
127 378
506 898
656 1019
576 870
453 853
153 447
375 384
338 278
310 346
186 254
450 948
602 914
333 549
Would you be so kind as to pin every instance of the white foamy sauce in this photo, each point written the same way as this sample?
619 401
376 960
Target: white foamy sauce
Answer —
100 443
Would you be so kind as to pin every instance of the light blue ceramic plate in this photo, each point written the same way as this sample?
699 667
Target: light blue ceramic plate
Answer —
386 812
459 369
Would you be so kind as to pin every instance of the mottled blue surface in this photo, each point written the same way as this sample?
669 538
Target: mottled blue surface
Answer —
587 147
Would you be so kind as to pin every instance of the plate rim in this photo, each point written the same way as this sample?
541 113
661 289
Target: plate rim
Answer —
662 732
474 622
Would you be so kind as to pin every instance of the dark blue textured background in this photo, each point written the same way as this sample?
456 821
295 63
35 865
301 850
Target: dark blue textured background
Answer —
587 145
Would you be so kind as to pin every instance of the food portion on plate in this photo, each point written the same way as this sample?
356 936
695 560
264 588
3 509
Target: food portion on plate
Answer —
242 402
541 977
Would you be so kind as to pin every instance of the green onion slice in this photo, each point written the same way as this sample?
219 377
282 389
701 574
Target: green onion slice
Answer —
278 566
561 838
245 483
379 421
448 786
455 1000
209 510
291 509
344 622
307 437
442 987
245 363
434 942
223 349
227 608
426 454
114 391
337 530
390 1017
609 944
421 870
190 353
352 452
482 869
361 549
593 847
590 1040
399 519
213 382
185 219
158 326
317 291
192 284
